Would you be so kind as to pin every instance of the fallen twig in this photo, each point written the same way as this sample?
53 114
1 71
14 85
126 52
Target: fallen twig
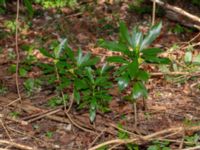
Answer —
180 11
16 145
192 148
147 138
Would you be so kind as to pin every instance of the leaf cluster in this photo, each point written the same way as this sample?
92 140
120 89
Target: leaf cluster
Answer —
134 52
78 72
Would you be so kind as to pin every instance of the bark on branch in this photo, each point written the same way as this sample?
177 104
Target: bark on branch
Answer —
182 12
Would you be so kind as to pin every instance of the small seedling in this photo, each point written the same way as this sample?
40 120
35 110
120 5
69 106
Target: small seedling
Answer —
192 140
56 101
14 114
3 90
159 145
32 86
49 134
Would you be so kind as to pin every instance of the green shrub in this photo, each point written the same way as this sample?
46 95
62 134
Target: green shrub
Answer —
78 72
134 53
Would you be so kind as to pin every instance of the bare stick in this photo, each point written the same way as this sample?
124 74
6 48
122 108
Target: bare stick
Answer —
16 145
17 52
8 134
192 148
153 12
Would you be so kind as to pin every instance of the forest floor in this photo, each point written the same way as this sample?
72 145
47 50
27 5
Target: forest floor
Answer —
173 101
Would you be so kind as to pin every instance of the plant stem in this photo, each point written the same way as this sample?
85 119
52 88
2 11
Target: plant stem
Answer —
62 93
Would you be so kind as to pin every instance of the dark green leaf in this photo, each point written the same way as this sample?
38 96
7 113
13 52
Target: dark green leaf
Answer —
151 36
89 74
142 75
80 84
46 53
124 33
90 62
70 53
151 51
157 60
114 46
139 90
101 81
117 59
121 70
64 83
133 68
123 82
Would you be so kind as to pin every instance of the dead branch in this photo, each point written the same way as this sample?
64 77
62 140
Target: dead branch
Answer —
148 138
181 12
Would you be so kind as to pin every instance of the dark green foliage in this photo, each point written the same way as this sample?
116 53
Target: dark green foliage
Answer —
78 71
134 53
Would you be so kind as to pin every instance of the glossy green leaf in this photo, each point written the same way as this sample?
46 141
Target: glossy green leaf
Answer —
123 82
121 70
151 51
89 74
82 59
133 68
46 53
101 81
136 38
124 33
151 36
117 59
90 62
114 46
142 75
139 90
70 53
58 50
188 57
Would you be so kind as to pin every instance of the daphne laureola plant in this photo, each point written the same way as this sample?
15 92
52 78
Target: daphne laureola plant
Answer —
91 83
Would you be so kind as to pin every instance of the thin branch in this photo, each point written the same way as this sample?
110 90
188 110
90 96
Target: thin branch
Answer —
16 145
153 12
17 53
146 138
